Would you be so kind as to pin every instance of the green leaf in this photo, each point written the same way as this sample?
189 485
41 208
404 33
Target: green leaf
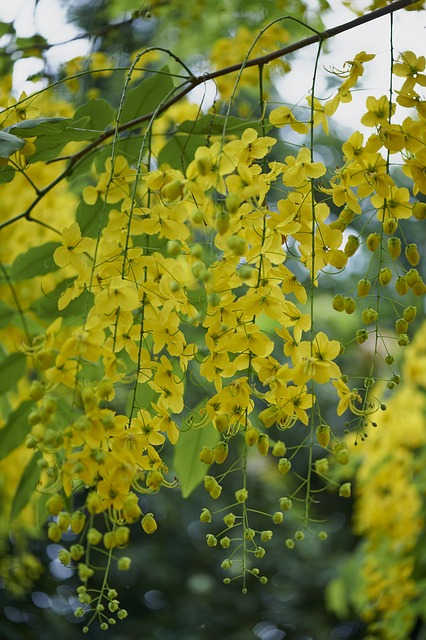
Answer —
46 307
187 464
9 144
12 369
52 134
35 262
147 96
179 151
7 313
39 127
7 174
27 485
99 114
17 427
92 218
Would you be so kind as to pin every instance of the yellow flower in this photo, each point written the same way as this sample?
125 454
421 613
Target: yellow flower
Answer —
301 169
72 244
283 115
379 111
314 360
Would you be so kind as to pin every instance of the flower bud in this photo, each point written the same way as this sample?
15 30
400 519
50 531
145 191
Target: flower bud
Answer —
148 523
364 287
394 248
338 303
279 449
229 519
390 225
351 245
78 520
205 515
345 490
401 326
323 435
221 422
77 551
373 241
361 336
321 466
369 316
341 453
350 305
284 466
263 444
401 286
220 452
94 536
412 276
409 313
412 254
252 436
207 455
37 390
110 541
225 542
285 504
222 222
403 340
123 564
84 572
64 557
419 288
211 540
232 202
237 245
241 495
385 276
55 504
277 517
122 535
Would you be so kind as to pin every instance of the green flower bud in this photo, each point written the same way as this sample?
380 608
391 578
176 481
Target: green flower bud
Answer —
263 444
394 247
401 326
401 286
123 564
409 313
351 245
284 466
338 303
211 540
222 222
345 490
220 452
285 504
350 305
279 449
205 515
241 495
412 277
412 254
373 241
364 287
149 524
385 276
369 316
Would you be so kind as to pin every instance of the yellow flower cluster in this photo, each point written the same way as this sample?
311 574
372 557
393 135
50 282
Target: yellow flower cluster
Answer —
389 505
